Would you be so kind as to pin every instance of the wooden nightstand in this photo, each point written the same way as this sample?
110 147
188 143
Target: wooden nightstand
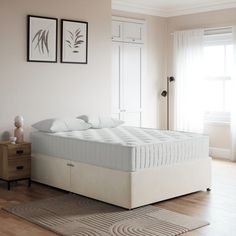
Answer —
15 162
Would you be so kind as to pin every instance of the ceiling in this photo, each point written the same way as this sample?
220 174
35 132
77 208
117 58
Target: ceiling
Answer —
169 8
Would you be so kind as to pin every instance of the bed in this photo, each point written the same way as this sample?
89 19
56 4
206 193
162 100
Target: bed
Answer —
125 166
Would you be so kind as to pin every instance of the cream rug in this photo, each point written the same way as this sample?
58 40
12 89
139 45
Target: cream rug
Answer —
73 215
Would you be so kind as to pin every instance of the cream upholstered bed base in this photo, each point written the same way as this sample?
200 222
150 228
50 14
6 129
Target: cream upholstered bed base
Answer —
125 189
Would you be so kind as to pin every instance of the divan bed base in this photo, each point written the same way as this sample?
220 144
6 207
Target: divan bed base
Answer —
125 189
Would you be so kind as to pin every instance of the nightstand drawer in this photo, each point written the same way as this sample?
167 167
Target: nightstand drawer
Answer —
19 151
19 168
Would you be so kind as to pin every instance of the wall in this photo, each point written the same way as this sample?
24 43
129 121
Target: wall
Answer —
153 104
42 90
219 133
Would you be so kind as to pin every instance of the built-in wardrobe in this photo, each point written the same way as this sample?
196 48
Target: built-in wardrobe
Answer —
128 44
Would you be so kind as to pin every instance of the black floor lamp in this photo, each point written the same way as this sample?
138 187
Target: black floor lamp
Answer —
165 93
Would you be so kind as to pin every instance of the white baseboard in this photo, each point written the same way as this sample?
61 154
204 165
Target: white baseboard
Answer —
220 153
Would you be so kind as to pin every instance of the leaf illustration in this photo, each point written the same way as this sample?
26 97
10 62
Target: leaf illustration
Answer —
79 42
77 31
79 36
37 34
68 42
41 38
71 35
42 41
46 42
38 44
74 40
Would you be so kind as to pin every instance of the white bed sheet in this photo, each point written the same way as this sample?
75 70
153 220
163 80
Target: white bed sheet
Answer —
123 148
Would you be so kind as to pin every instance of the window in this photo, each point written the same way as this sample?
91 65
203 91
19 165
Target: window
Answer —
218 61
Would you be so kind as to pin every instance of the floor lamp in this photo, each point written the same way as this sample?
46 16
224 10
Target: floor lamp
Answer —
165 93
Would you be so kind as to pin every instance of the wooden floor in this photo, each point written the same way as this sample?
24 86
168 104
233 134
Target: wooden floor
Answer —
218 206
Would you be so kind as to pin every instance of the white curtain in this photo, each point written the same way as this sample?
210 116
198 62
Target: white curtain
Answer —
189 89
233 110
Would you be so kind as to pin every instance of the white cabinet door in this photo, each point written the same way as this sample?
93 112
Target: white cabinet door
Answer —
133 32
127 70
126 82
51 171
131 118
130 32
117 51
131 84
117 31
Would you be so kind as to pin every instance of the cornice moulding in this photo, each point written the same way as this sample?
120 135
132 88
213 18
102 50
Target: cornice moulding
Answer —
151 10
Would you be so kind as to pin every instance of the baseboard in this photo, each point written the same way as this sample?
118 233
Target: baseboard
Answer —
220 153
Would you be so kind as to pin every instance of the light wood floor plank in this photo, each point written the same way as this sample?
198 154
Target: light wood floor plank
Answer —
218 206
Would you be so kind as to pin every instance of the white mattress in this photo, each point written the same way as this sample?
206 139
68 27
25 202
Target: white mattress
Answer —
122 148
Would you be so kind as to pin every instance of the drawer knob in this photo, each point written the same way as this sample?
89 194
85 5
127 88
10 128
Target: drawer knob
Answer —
20 167
71 165
19 152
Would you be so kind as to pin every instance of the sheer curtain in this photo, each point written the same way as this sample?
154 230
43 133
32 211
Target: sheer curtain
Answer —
233 110
188 71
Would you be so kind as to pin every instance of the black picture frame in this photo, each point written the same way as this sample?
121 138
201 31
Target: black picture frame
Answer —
74 41
42 39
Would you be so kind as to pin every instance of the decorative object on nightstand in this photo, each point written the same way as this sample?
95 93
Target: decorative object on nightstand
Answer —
19 132
15 162
13 140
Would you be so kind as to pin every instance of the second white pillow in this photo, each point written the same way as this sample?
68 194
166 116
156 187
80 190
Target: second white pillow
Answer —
76 124
101 122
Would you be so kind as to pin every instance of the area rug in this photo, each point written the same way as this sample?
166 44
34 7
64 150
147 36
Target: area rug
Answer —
74 215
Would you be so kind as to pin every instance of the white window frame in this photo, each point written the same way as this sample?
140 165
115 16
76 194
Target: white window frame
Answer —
213 38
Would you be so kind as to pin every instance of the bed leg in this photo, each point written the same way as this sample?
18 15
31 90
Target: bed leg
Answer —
208 189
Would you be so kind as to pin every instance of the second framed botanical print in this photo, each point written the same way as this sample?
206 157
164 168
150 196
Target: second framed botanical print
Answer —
74 41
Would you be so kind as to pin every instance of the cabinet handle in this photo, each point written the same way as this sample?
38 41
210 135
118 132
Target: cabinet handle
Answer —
19 152
71 165
20 167
123 110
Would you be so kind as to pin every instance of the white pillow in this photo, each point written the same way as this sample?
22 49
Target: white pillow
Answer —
76 124
61 125
101 122
51 126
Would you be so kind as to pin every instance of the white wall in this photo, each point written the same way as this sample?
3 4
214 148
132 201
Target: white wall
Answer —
155 48
43 90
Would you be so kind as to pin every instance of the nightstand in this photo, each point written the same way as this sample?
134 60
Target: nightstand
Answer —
15 162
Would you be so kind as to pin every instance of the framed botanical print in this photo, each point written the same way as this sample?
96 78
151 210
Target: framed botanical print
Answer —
74 41
42 39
